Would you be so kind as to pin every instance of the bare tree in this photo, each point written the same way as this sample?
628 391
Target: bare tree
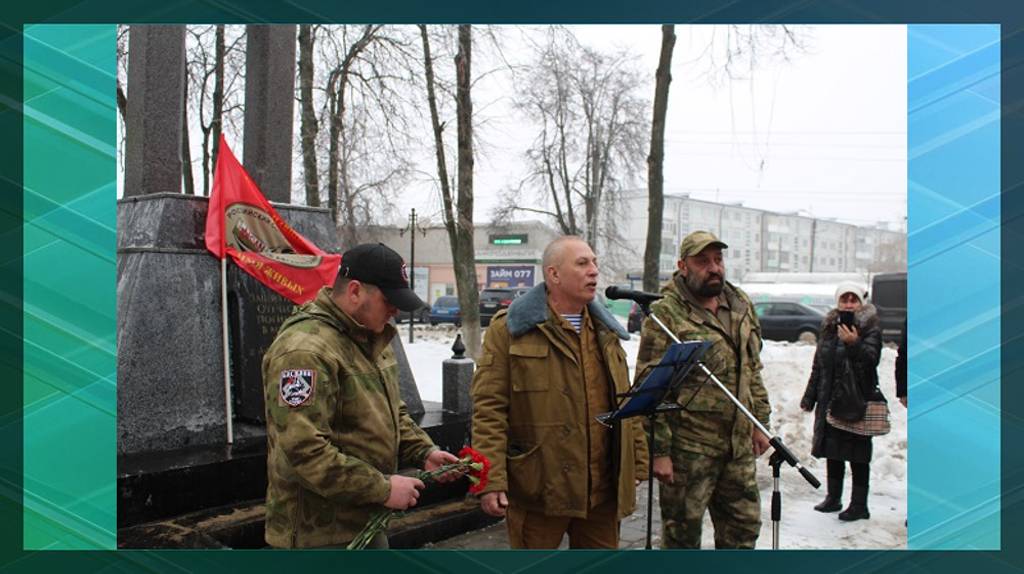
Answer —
216 122
310 126
656 160
337 86
189 183
590 140
216 75
735 51
362 90
122 70
458 216
121 82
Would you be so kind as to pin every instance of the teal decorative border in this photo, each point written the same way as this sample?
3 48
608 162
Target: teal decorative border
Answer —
977 521
69 348
953 147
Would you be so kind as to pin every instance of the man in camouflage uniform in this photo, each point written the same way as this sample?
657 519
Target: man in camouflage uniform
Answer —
337 430
704 454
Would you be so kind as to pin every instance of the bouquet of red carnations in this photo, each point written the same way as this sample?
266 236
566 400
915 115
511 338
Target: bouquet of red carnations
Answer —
471 464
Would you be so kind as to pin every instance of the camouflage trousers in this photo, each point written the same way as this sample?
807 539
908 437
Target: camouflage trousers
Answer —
725 487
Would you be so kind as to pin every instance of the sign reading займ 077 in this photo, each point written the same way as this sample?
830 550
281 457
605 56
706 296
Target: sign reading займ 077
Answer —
510 275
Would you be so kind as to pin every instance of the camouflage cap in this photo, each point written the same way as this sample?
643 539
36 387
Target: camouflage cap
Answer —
696 242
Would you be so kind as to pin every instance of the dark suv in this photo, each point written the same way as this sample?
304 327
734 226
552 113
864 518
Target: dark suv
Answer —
889 295
493 300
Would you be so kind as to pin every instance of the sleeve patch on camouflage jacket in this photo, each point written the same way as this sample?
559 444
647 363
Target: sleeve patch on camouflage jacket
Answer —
297 386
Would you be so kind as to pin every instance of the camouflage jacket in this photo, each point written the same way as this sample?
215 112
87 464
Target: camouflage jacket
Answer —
336 426
710 424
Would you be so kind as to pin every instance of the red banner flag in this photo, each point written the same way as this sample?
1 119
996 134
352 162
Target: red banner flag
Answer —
242 224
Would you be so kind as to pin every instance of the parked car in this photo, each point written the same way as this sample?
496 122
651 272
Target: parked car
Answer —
889 295
636 318
420 315
493 300
789 321
446 310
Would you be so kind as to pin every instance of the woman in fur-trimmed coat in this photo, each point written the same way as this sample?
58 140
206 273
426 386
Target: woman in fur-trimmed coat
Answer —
843 349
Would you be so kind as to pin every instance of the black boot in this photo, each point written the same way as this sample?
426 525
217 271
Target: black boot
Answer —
833 500
858 508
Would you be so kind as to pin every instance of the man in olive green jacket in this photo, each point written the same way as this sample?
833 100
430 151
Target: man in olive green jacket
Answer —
549 365
704 454
337 430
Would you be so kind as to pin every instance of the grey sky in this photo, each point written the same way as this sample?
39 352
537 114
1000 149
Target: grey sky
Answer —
824 132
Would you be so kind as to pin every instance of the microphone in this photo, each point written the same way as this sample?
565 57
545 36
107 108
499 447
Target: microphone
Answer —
641 297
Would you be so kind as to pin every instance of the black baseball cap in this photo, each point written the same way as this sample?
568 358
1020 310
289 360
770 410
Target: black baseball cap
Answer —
379 265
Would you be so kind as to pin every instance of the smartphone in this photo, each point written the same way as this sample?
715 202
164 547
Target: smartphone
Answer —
846 318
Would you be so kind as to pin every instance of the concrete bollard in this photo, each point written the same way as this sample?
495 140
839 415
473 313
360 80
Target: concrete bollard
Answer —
456 376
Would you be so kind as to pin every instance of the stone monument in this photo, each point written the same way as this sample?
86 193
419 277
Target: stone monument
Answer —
174 460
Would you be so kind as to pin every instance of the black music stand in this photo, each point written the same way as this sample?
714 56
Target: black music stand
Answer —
647 399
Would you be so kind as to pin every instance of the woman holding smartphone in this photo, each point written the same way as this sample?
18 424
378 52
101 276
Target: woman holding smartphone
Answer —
848 352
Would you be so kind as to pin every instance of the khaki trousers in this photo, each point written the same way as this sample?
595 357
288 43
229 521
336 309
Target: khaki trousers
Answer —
532 530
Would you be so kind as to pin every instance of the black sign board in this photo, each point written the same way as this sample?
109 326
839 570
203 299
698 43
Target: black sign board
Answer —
508 239
255 313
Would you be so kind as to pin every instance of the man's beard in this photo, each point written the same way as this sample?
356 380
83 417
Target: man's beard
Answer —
705 289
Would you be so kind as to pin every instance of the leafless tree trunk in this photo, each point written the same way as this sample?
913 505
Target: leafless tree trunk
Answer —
122 57
348 194
336 105
186 150
122 98
458 219
337 175
218 109
204 71
655 161
354 135
310 126
463 253
122 102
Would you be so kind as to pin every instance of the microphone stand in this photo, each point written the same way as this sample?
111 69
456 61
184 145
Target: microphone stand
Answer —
649 408
781 452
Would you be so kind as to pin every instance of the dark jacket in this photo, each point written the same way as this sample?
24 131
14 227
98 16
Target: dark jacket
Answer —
901 364
833 362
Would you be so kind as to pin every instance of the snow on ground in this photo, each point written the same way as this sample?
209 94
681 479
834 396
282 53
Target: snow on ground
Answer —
786 369
432 346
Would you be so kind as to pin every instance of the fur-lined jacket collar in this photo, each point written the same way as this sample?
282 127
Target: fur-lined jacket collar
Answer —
865 318
531 309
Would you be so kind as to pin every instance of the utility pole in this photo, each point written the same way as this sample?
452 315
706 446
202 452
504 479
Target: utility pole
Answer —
412 229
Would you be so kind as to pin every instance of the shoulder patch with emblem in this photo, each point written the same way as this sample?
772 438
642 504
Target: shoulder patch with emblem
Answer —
297 386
